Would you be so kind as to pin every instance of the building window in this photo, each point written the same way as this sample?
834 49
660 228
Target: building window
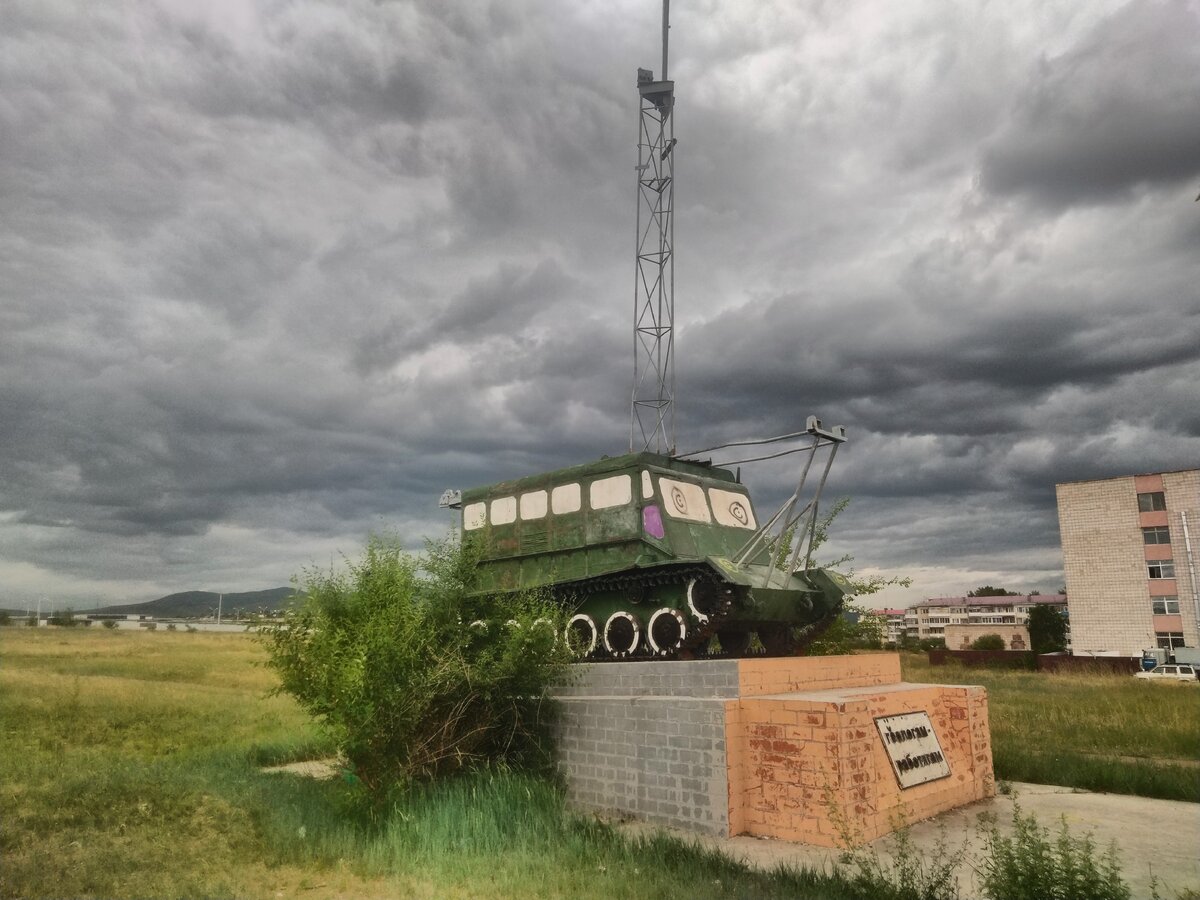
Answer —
1160 568
1152 502
1169 640
1165 606
1159 534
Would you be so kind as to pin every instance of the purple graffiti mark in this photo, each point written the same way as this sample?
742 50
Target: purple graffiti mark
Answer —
652 522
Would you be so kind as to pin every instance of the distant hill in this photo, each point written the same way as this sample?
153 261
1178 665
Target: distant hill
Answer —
202 603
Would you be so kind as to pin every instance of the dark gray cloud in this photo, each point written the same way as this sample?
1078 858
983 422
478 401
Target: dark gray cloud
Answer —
1107 115
271 278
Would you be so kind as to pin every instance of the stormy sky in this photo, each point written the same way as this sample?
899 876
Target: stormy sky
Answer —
273 275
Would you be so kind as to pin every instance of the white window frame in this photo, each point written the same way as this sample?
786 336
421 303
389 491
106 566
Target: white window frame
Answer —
1165 568
1160 533
1151 506
1167 602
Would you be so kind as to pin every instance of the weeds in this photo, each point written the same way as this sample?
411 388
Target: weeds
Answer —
905 873
1031 866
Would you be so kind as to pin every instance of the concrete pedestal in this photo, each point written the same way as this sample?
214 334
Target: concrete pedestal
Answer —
810 749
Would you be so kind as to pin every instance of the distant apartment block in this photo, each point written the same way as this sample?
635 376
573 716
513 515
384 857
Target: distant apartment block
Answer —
893 624
1129 552
956 618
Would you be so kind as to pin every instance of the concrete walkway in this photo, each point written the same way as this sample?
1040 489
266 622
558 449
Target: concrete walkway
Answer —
1155 838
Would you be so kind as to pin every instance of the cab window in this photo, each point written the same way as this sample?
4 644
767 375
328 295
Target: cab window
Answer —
605 493
474 516
684 500
565 498
533 505
504 510
732 509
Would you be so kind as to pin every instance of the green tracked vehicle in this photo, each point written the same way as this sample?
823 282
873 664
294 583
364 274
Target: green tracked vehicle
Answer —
654 555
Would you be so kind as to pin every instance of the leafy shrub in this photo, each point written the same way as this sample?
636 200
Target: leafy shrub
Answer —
988 642
1031 866
64 619
5 618
109 623
384 655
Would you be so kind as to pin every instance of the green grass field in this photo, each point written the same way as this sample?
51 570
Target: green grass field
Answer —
1098 732
131 768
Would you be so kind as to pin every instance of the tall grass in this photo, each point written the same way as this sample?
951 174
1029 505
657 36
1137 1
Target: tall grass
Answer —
513 833
116 785
1101 732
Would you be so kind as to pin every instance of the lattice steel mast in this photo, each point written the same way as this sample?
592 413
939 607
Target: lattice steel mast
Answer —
652 416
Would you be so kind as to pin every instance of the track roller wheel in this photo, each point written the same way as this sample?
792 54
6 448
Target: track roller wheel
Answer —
666 631
582 635
622 634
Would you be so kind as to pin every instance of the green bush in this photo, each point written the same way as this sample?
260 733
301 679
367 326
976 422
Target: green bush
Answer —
109 623
64 619
385 656
988 642
1031 866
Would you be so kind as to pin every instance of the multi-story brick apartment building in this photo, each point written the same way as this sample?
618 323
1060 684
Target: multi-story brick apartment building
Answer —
930 618
893 624
1129 552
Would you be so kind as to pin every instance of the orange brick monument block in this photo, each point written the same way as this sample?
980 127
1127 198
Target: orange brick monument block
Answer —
821 750
845 751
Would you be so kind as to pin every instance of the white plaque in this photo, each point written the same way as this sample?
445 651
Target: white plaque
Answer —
912 746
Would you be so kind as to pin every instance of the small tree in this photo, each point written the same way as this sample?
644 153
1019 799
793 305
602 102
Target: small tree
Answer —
988 642
63 619
858 627
386 657
1047 629
988 591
